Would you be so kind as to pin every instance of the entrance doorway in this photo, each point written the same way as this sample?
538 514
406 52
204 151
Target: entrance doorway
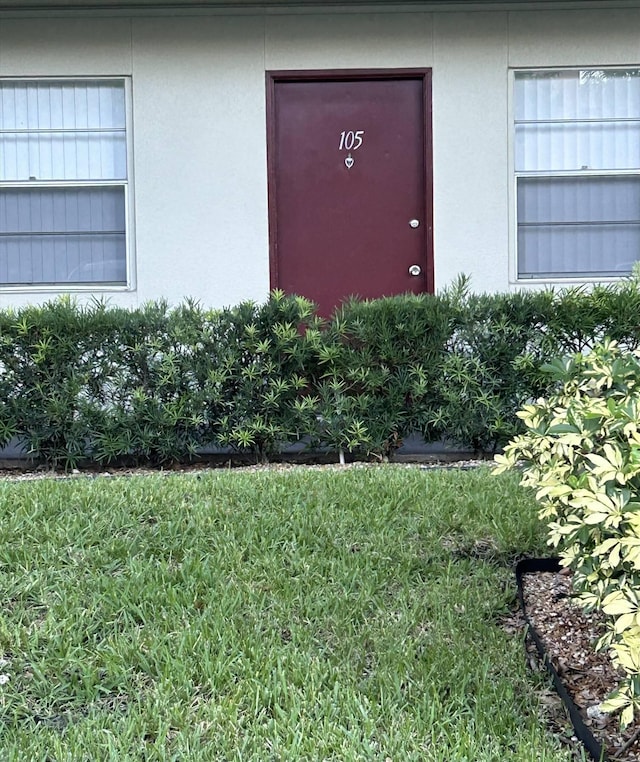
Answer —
350 208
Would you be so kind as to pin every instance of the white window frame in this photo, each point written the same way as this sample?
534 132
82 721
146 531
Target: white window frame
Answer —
126 184
559 280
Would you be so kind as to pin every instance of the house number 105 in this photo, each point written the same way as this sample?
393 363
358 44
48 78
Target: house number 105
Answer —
350 140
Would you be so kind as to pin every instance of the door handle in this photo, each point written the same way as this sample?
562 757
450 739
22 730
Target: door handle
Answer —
415 270
414 224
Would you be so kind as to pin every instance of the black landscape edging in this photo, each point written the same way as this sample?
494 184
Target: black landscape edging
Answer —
531 566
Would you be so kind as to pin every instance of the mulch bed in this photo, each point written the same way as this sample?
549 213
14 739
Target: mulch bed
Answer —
569 636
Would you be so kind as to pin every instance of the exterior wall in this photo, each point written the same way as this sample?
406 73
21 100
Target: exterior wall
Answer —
199 146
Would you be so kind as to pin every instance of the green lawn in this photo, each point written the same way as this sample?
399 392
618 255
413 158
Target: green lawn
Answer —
296 615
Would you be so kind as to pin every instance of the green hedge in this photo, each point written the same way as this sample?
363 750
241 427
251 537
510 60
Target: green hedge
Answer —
157 385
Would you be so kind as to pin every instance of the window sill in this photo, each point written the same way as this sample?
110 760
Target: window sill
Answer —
90 288
574 281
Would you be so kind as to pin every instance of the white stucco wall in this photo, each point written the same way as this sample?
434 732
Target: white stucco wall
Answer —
199 139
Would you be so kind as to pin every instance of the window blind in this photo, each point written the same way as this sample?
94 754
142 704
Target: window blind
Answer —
577 151
63 176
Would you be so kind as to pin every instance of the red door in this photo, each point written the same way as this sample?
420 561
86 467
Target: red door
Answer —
349 186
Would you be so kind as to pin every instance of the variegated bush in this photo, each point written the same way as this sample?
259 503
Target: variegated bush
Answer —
581 453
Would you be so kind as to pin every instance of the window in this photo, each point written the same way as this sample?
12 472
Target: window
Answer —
63 182
577 165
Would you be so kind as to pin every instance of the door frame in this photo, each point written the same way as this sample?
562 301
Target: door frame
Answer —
363 75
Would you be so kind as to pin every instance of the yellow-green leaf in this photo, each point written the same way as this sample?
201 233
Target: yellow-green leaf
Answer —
623 622
616 604
626 718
